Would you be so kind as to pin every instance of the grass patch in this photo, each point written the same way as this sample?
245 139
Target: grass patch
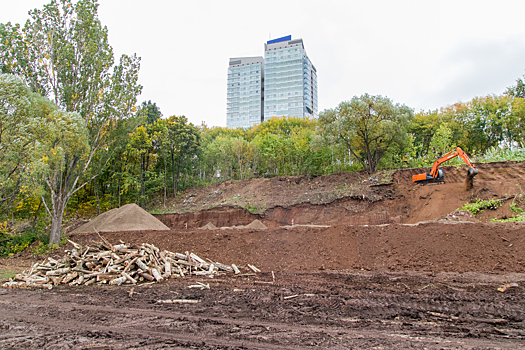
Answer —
482 204
252 209
511 219
166 210
5 275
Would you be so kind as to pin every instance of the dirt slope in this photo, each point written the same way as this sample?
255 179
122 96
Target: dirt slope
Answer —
356 198
372 231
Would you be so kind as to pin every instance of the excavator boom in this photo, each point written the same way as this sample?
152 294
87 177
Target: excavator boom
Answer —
436 174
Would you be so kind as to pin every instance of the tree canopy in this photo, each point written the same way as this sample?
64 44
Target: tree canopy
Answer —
368 126
63 53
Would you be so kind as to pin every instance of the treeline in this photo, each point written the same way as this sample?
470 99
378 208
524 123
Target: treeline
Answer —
73 140
164 156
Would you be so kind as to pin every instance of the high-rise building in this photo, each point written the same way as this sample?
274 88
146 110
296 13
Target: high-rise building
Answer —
284 83
290 80
245 92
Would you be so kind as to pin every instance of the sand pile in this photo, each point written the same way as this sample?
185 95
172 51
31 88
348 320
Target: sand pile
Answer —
129 217
256 225
208 226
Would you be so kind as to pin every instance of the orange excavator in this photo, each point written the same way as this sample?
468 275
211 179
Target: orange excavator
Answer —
436 174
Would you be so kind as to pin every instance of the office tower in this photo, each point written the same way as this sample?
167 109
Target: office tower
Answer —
245 92
284 83
290 80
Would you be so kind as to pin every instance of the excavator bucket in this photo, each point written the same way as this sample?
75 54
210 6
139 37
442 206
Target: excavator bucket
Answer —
472 172
469 180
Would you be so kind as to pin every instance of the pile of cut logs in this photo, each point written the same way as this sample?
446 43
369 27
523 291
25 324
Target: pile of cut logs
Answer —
104 263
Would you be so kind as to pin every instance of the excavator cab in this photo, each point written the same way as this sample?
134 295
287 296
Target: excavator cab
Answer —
436 174
428 178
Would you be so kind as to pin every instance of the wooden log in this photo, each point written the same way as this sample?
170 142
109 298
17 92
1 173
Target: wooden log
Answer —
103 254
178 301
202 273
105 277
81 270
118 247
167 267
222 266
69 277
76 245
152 247
253 268
115 256
129 278
156 274
118 281
130 264
37 279
80 280
195 257
43 286
74 253
236 269
86 251
181 256
146 276
141 264
58 272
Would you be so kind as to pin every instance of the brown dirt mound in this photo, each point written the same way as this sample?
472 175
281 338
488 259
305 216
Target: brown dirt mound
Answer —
432 246
208 226
256 225
129 217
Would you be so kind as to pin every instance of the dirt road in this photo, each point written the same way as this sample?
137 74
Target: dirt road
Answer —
331 310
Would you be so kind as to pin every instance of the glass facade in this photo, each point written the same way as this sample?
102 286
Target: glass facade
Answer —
245 92
284 83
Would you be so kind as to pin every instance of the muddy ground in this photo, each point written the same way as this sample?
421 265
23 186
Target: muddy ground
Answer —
330 309
369 277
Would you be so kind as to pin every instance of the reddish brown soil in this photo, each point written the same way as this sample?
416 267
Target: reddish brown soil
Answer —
372 279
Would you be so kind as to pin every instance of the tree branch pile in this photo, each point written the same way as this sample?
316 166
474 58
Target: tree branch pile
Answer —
104 263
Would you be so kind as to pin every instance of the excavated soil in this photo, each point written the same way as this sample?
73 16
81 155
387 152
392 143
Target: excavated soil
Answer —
129 217
368 263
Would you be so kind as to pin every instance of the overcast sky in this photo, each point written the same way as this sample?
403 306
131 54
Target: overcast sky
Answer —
425 54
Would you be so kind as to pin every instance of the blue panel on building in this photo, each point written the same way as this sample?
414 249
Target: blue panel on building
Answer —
278 40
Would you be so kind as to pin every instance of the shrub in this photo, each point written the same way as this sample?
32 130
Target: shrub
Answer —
512 219
482 204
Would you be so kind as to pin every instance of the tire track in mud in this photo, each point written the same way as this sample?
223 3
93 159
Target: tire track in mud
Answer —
339 316
129 334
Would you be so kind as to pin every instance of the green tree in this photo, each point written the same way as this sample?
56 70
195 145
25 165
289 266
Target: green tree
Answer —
18 109
63 147
161 144
183 143
517 90
441 142
515 123
140 146
367 126
149 112
63 53
484 120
